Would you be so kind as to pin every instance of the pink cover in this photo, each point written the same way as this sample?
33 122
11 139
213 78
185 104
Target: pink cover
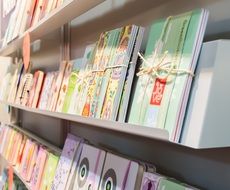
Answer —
38 169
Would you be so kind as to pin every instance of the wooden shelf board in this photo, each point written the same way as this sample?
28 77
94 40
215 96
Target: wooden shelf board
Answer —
58 17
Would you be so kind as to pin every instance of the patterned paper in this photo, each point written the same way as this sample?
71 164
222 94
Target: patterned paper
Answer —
65 163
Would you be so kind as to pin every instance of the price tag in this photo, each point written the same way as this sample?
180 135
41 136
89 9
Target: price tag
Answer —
26 51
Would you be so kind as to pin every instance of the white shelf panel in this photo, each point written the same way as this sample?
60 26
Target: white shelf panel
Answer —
153 133
61 15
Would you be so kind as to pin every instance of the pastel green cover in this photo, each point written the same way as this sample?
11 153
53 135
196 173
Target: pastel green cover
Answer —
173 43
49 171
166 184
167 117
96 99
71 85
141 99
112 45
187 56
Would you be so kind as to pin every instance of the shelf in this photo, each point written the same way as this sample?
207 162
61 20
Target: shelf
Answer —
61 15
153 133
49 146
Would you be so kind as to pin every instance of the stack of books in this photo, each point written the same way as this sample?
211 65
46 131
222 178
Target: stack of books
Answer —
81 166
27 13
35 163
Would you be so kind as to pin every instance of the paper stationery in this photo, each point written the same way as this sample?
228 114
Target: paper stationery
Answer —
118 173
65 163
38 169
35 89
89 168
49 171
150 181
167 68
64 86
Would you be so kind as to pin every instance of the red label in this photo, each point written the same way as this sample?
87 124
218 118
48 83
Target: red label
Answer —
158 91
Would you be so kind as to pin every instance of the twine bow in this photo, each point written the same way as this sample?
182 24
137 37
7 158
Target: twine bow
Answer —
162 66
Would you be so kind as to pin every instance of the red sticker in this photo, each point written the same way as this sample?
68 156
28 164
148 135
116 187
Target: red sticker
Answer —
26 51
158 92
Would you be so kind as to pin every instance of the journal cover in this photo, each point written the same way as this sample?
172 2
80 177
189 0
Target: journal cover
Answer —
64 86
16 149
118 173
24 89
35 89
65 163
79 95
38 169
49 171
165 184
20 153
118 73
150 181
90 168
73 171
46 92
102 77
167 65
28 160
56 87
16 82
129 77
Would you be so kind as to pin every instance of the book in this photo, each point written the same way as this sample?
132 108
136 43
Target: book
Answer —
150 181
118 173
28 160
19 18
37 12
44 9
15 82
8 138
173 44
24 89
71 86
38 169
49 171
56 86
73 173
101 80
167 184
64 86
5 87
31 13
65 163
25 17
16 149
46 92
35 89
90 168
83 79
20 153
118 74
